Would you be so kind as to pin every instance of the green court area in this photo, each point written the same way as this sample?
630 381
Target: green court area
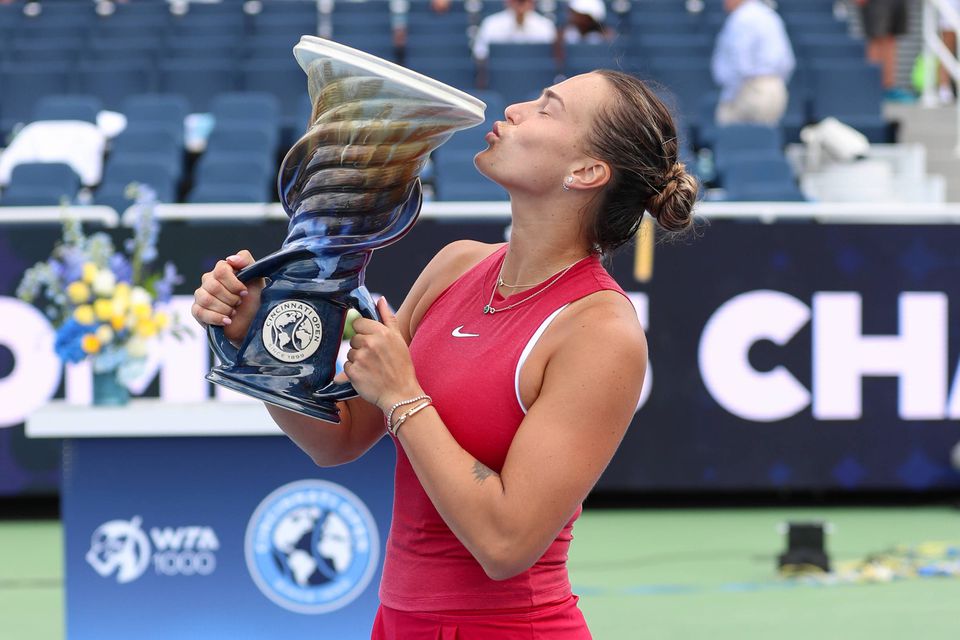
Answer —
657 574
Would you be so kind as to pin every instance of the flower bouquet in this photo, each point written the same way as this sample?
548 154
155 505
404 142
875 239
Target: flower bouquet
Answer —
105 304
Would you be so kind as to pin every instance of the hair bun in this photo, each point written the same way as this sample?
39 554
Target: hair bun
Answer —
673 205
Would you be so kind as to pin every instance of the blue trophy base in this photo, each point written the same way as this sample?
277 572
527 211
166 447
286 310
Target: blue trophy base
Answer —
321 408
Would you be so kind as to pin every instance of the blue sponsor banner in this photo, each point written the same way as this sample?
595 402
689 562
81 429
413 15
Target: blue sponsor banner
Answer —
233 537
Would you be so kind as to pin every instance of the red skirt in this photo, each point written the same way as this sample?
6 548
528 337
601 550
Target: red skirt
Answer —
560 621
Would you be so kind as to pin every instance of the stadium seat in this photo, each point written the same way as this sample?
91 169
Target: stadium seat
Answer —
738 141
23 84
112 81
68 107
748 171
459 72
457 179
284 79
520 54
149 143
766 192
520 81
170 109
251 106
201 48
40 184
118 175
197 80
29 49
144 49
232 179
853 94
259 140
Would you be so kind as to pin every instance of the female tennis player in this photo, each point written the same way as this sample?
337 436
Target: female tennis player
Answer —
509 375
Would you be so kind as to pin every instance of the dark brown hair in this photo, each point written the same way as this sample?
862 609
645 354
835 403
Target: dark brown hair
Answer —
637 137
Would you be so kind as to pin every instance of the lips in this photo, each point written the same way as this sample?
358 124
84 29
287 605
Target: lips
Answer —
496 128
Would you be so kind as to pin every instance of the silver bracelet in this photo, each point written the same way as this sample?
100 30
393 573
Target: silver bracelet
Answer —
400 404
396 428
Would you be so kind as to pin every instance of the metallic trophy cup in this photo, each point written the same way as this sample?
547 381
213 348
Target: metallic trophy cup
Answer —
350 185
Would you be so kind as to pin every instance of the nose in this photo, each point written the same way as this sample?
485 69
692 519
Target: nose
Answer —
512 113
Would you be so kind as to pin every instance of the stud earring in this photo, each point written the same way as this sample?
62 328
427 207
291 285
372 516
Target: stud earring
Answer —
567 182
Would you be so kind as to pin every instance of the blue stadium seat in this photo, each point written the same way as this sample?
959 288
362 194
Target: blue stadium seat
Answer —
112 81
68 107
202 48
256 139
281 25
519 82
452 44
226 25
126 25
853 94
457 179
828 46
170 109
281 78
149 143
582 58
520 54
749 171
222 178
40 184
119 174
197 80
766 192
737 141
459 72
260 108
143 50
688 80
29 49
23 84
275 46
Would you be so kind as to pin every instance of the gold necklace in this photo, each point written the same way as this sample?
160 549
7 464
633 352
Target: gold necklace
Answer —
489 308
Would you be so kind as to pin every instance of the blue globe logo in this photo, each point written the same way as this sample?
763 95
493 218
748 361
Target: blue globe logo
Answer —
312 546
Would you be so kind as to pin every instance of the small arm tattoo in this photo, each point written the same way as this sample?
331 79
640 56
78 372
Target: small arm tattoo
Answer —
481 471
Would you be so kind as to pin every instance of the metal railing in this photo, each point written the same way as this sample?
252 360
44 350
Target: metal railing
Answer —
934 48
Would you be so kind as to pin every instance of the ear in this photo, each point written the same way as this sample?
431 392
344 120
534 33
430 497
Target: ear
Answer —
591 176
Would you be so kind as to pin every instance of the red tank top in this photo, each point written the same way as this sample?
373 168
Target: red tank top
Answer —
467 361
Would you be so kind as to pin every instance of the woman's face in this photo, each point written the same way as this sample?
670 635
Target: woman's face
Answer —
542 141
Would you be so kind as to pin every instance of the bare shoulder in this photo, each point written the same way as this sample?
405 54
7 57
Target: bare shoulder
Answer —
603 322
451 262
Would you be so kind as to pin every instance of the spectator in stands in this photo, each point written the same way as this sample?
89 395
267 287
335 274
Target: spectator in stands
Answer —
517 23
752 62
440 6
883 21
949 35
585 22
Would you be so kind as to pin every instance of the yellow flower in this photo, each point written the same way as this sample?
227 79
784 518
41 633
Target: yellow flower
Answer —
118 321
122 291
78 292
141 310
90 344
104 334
83 314
89 272
103 308
161 320
146 328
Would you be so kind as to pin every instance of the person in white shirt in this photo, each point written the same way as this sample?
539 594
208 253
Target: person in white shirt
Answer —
948 34
517 23
752 63
585 22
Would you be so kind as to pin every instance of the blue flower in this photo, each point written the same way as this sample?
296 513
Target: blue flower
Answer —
164 286
121 268
68 339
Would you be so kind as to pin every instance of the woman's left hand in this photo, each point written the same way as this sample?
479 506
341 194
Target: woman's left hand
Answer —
378 362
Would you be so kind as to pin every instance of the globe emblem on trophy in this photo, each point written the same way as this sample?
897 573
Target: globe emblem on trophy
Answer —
350 185
292 331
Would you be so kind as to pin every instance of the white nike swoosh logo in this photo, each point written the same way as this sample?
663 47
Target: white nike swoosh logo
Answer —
459 334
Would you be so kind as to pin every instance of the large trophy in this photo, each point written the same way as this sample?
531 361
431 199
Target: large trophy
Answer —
350 185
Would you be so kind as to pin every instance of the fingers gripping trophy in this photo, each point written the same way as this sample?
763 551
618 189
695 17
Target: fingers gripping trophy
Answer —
350 185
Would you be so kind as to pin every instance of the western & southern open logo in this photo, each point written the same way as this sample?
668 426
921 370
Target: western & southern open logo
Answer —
312 546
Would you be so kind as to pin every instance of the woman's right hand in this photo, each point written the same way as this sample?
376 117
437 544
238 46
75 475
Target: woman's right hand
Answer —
223 300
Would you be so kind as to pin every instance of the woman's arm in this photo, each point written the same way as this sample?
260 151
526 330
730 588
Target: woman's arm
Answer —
590 386
361 423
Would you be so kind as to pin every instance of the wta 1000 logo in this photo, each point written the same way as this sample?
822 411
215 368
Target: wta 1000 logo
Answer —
122 549
312 546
